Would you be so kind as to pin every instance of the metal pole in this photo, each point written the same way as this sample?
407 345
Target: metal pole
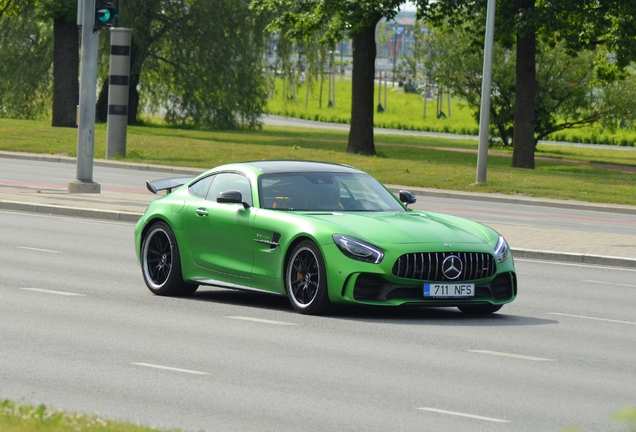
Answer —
486 84
88 90
394 56
118 92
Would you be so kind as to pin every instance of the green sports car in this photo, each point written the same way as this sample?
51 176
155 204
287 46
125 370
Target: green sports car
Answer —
321 234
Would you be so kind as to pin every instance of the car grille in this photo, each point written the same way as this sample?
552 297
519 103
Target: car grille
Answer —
428 266
375 288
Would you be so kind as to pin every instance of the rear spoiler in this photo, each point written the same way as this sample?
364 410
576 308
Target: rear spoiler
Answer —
166 184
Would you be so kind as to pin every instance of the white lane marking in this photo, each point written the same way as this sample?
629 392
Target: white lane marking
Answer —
592 318
476 417
171 368
609 283
37 249
575 265
263 321
46 291
517 356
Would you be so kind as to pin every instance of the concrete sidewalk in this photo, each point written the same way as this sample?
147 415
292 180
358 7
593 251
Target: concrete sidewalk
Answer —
526 242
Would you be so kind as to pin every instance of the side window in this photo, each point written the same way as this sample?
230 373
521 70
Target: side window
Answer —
230 182
200 188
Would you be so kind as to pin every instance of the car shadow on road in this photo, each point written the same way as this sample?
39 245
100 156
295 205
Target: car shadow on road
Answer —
243 298
440 316
403 315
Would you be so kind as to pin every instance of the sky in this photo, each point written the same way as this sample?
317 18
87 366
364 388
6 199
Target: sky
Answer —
408 6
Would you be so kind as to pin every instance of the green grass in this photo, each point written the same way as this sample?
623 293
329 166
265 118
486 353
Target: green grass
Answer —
25 418
405 111
402 160
402 111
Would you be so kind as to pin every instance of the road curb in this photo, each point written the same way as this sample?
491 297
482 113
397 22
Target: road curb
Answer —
122 216
516 200
102 162
576 258
111 215
476 196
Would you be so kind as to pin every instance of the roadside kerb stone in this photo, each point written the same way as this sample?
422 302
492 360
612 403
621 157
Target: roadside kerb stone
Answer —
111 215
508 199
576 258
102 162
134 217
127 216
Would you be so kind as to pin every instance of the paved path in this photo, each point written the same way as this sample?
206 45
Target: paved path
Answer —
526 241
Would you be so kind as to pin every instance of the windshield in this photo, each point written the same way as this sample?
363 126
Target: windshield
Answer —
315 191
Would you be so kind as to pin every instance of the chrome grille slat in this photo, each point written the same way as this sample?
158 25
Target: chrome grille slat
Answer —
428 266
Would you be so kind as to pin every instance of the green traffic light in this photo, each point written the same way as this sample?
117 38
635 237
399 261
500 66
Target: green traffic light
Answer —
104 15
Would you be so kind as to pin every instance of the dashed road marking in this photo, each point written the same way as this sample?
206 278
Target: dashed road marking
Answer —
610 283
593 318
459 414
173 369
47 291
263 321
38 249
517 356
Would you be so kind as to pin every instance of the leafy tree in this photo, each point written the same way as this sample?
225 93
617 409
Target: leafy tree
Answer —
25 53
63 13
568 94
582 24
199 60
420 62
619 96
300 20
45 15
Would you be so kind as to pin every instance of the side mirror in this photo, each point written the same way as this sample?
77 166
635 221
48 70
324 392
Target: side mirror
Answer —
231 197
407 197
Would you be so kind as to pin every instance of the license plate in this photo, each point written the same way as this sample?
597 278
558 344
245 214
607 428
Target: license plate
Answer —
449 290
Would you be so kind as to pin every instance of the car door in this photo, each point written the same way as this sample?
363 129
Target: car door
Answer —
220 234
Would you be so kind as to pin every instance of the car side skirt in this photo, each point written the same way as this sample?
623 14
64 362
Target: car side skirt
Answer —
221 284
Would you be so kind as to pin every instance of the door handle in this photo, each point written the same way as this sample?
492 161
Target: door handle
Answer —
201 212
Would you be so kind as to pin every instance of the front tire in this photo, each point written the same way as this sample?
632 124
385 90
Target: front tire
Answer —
480 309
306 280
161 263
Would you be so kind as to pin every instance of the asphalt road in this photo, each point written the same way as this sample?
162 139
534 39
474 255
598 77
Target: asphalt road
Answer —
79 331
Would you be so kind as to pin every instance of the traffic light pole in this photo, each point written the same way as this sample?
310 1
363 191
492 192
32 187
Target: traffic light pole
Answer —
486 90
88 89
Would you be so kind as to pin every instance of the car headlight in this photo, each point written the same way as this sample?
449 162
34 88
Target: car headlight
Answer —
501 250
357 249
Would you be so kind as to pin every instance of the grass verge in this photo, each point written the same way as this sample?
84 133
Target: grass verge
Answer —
562 172
25 418
406 111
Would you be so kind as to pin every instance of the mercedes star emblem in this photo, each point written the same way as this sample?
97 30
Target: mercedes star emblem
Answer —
452 267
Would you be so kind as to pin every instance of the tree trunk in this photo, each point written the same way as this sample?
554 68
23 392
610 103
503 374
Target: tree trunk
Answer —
101 110
133 99
526 87
65 73
361 130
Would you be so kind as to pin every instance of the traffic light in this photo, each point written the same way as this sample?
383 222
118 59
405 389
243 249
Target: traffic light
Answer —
106 13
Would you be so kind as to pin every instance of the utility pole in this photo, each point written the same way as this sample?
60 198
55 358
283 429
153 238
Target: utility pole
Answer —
88 88
486 85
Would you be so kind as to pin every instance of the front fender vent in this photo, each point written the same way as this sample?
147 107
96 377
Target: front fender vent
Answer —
428 266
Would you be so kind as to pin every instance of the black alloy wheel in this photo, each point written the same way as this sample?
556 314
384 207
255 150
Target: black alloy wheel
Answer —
306 280
161 264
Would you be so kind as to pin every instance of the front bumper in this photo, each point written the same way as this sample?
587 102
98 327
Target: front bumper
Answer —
374 289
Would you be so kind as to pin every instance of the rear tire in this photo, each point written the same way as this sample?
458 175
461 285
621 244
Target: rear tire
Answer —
306 280
480 309
161 263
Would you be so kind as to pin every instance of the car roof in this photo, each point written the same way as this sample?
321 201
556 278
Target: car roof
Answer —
289 166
